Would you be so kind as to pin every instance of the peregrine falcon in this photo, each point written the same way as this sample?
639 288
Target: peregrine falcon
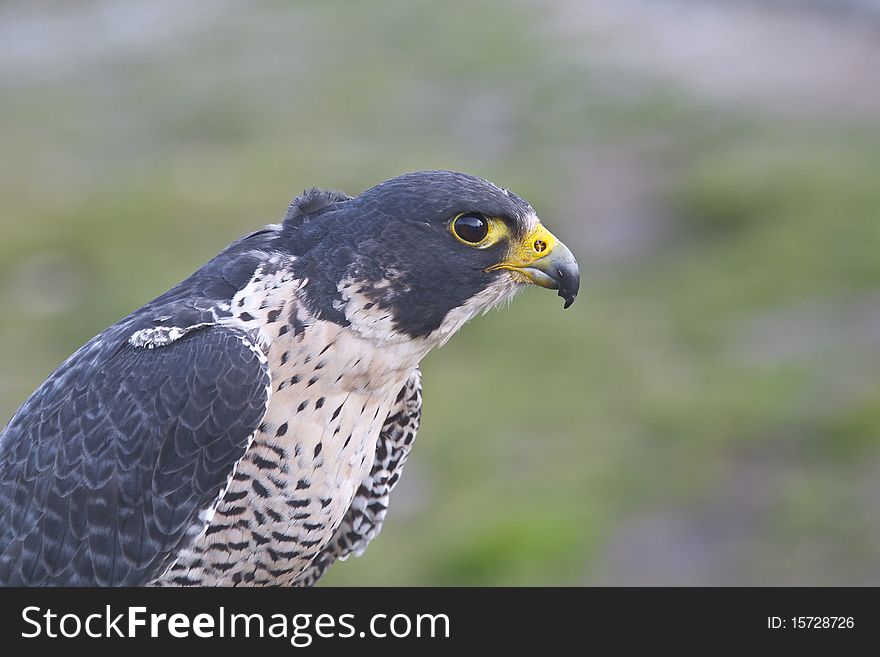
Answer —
248 426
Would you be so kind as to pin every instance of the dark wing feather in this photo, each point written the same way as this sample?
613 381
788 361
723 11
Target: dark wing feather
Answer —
105 469
363 520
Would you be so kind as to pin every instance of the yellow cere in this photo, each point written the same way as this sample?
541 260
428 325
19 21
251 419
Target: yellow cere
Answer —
538 243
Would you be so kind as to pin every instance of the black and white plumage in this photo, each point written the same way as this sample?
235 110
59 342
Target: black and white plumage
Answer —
364 517
248 426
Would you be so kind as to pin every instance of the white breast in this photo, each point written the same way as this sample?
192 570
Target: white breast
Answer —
332 388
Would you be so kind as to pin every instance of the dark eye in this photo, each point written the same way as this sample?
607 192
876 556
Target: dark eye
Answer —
471 227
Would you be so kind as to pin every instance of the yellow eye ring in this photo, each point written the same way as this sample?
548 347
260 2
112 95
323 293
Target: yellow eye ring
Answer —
477 230
470 227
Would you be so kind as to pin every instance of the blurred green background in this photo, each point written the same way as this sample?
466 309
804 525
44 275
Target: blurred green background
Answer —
707 413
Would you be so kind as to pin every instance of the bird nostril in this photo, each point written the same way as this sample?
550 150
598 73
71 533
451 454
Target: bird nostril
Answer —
540 246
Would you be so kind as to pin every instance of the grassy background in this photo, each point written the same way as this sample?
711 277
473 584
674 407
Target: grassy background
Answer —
707 413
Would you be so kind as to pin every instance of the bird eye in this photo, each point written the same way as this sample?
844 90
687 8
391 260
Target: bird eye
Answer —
471 227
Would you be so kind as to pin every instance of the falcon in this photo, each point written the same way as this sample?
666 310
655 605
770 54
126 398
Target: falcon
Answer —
248 426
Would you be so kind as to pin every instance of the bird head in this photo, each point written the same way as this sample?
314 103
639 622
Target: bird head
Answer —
418 255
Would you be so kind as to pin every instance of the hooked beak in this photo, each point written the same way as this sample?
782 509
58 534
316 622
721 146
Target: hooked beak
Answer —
543 260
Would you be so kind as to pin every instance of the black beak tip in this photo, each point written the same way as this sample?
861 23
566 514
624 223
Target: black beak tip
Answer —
569 281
